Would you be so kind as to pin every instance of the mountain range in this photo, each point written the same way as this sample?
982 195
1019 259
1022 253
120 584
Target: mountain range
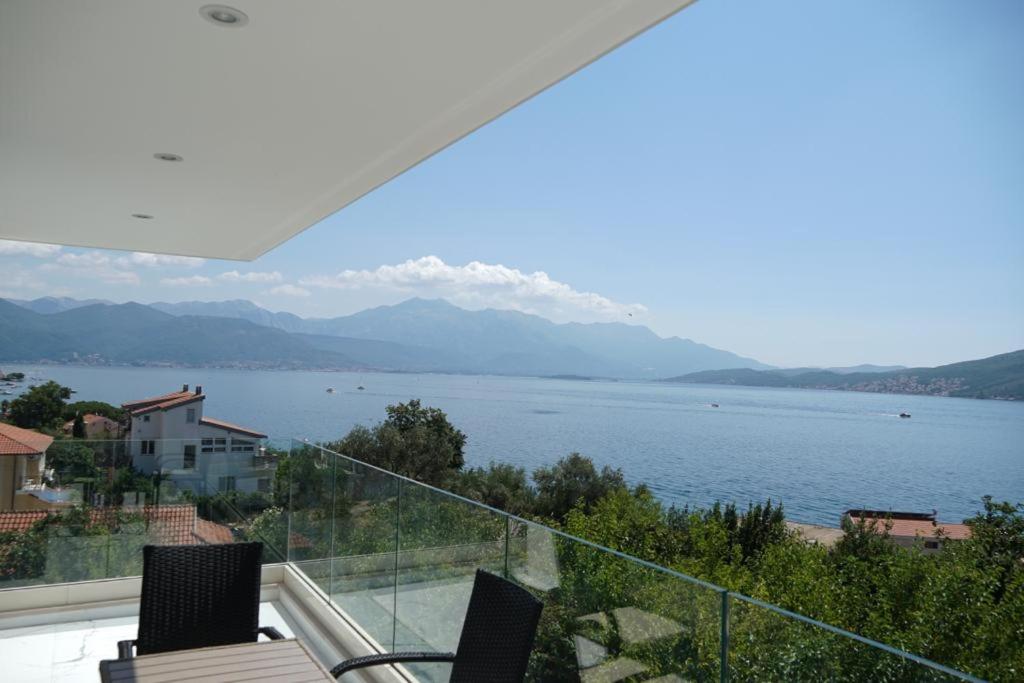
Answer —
1000 377
414 336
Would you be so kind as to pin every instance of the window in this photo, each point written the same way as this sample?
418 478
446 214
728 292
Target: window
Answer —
190 457
190 415
220 445
207 445
931 545
263 484
242 445
226 483
145 418
148 447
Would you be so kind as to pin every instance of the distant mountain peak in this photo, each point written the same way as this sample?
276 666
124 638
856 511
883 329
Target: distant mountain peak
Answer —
436 335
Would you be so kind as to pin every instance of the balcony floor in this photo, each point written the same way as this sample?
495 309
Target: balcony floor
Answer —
71 651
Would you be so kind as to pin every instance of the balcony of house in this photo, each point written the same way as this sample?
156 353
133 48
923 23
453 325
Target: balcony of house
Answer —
360 561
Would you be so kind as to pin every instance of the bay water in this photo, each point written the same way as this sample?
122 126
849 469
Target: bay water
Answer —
818 452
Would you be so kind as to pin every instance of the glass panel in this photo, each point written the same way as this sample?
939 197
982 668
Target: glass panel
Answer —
363 565
85 510
442 542
768 645
311 471
609 618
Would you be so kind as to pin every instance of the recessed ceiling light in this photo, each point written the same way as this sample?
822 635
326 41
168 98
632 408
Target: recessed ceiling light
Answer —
164 156
143 216
225 16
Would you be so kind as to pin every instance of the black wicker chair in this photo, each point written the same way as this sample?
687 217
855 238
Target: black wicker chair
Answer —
198 596
496 639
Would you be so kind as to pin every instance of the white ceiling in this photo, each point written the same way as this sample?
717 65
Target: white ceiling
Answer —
281 122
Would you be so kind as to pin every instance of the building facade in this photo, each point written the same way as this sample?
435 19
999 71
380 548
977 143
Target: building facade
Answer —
170 434
23 473
907 529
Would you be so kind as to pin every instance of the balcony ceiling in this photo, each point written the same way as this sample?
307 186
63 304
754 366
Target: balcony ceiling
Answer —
279 122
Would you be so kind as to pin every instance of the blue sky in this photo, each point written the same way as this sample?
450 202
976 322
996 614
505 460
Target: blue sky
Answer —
802 182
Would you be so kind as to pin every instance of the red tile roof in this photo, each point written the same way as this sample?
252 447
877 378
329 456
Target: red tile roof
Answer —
168 402
132 405
911 528
221 424
165 524
89 419
18 441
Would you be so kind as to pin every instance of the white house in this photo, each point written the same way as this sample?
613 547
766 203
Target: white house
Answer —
170 434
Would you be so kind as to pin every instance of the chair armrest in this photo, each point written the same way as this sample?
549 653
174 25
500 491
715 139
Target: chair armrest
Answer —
391 658
271 632
125 649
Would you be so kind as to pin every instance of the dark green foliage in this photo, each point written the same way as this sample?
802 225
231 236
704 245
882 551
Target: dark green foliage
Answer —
78 427
72 410
761 526
74 545
74 463
413 441
569 482
498 485
41 407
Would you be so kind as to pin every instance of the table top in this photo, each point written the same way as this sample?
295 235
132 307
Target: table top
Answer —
280 661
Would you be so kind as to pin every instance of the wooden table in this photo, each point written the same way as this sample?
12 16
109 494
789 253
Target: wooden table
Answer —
280 661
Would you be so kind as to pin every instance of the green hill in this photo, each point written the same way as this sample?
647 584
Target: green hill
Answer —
999 377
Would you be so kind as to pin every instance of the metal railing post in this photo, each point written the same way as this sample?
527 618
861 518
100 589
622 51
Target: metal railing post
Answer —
288 512
334 515
398 547
508 531
723 655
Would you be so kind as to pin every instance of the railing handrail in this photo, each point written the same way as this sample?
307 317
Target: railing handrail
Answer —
726 593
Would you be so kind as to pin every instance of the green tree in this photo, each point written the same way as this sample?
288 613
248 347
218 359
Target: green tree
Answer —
75 463
41 407
413 441
498 485
95 408
78 427
571 480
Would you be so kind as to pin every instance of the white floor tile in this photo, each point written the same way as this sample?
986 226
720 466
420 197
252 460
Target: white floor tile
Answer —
71 652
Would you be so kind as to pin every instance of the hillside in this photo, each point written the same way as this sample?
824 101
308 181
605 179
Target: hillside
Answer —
999 377
133 333
435 336
510 342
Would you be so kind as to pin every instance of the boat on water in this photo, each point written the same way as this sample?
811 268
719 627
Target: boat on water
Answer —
714 405
361 388
330 390
904 415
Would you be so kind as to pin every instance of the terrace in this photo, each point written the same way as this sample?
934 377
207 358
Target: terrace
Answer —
359 561
178 129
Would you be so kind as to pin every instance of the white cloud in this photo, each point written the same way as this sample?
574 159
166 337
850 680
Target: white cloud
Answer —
479 284
190 281
13 248
19 283
93 265
90 259
289 290
252 276
142 258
